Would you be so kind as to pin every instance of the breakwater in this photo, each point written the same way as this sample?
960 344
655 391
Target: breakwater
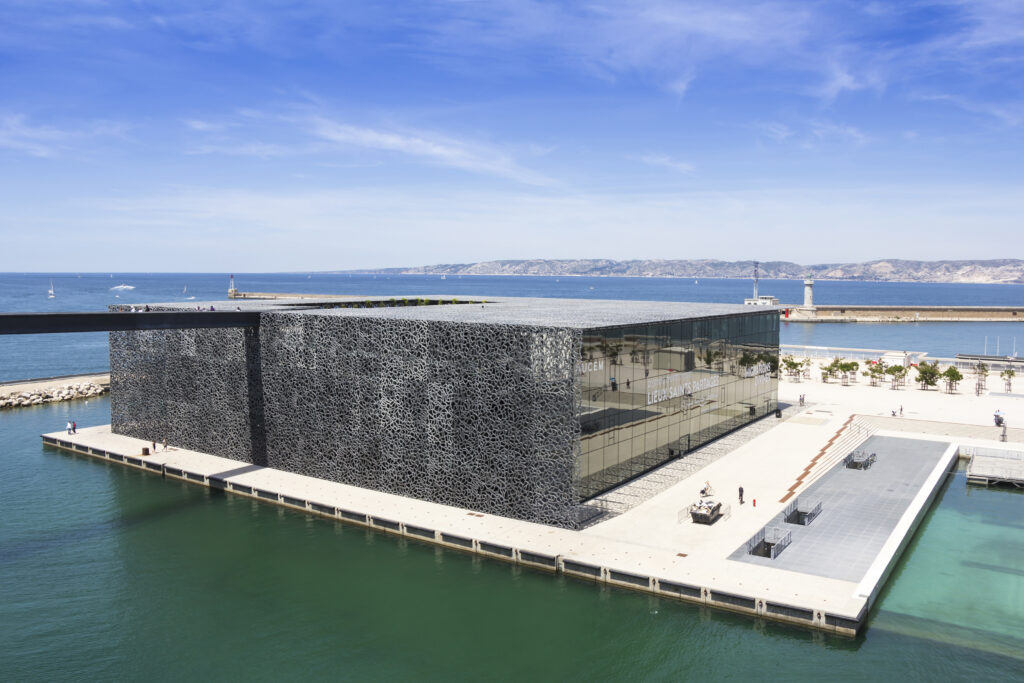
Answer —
52 390
847 313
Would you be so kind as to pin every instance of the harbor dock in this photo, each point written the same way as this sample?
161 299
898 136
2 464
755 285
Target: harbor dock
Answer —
989 467
827 577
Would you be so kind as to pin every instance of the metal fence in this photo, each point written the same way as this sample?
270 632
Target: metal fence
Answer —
769 542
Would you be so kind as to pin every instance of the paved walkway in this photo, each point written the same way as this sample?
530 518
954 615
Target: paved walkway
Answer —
655 538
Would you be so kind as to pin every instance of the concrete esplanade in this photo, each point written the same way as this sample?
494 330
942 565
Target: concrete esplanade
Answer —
812 544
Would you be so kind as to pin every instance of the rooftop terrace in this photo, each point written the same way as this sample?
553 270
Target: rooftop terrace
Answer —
566 313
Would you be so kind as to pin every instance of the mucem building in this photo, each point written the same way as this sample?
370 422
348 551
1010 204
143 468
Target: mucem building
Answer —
524 408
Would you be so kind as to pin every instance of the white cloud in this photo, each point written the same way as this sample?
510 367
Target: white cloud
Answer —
39 141
775 130
431 147
205 126
1010 114
679 86
827 130
667 162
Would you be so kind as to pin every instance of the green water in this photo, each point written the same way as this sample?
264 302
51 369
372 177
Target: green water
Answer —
111 573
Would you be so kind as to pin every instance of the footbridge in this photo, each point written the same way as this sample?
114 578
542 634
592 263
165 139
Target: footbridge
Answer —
49 323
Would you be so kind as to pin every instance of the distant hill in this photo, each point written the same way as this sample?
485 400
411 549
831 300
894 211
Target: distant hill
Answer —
1009 271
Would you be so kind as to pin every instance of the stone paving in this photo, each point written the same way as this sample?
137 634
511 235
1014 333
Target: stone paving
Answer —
653 537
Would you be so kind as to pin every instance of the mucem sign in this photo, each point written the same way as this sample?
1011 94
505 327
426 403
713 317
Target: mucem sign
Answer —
524 408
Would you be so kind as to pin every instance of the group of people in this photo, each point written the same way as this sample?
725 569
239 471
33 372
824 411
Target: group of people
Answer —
72 427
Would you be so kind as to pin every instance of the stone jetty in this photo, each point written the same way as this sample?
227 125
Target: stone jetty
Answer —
38 392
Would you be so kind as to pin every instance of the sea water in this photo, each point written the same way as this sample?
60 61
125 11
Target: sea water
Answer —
23 357
113 573
108 572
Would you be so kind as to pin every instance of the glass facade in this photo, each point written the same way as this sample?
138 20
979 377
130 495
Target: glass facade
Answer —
652 393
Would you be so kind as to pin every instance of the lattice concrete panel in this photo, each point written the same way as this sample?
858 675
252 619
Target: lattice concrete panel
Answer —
191 387
474 415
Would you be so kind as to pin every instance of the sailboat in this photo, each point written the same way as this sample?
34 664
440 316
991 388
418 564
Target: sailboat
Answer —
50 294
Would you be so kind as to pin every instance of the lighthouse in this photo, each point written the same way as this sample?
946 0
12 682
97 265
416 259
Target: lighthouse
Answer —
809 294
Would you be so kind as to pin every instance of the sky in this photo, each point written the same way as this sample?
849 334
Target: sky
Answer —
288 136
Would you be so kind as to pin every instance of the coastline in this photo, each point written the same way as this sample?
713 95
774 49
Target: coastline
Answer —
386 271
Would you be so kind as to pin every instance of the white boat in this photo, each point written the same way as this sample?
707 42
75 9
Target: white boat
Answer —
184 291
444 277
123 287
50 294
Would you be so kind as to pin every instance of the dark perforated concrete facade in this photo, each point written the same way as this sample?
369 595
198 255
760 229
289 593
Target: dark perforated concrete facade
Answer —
477 405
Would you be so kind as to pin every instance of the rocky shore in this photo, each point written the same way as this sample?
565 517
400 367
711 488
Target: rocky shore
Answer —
37 393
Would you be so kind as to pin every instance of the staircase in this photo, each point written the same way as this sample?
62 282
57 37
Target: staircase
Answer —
852 434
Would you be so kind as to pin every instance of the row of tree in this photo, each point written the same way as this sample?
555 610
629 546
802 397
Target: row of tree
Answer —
928 374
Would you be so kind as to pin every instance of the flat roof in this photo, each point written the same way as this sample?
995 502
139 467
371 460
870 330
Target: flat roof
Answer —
544 312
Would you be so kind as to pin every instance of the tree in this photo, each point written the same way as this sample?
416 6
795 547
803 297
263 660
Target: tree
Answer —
793 366
928 374
952 376
898 373
849 370
981 371
875 372
1008 376
832 369
610 351
772 360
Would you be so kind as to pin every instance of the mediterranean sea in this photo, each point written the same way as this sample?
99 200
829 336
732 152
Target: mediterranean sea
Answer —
110 573
49 355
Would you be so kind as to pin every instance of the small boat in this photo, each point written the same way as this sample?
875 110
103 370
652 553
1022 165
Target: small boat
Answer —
50 294
444 277
184 291
123 287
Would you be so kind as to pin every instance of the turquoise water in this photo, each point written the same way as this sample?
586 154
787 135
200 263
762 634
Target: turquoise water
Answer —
111 573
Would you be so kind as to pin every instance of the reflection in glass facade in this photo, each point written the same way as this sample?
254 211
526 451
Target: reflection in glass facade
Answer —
651 393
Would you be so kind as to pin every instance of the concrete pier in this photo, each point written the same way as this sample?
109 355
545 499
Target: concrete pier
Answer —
996 466
652 547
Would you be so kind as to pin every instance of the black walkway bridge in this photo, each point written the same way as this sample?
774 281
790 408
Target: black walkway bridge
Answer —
49 323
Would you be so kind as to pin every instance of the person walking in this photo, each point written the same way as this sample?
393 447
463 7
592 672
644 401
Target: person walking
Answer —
741 495
74 427
69 427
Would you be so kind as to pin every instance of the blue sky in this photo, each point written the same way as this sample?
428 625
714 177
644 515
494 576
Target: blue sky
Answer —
262 136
